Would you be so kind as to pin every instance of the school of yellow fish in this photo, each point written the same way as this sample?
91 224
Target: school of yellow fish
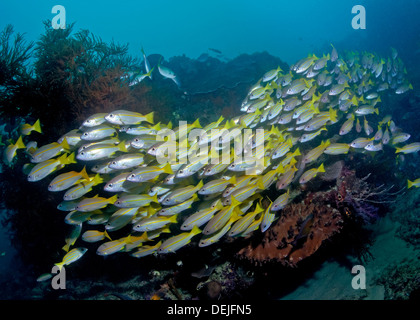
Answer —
163 205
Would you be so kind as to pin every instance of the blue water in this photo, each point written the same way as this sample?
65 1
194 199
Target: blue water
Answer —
287 29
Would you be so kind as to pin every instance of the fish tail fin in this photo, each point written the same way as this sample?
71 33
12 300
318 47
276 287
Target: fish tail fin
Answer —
234 202
398 150
84 174
376 110
157 127
97 179
196 124
107 235
155 198
65 144
173 219
121 146
333 115
66 247
19 143
67 160
59 265
327 143
410 86
112 199
149 74
149 117
195 230
297 152
321 168
37 126
168 169
409 183
199 185
260 183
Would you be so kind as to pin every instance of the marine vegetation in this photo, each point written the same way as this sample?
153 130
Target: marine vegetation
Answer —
132 183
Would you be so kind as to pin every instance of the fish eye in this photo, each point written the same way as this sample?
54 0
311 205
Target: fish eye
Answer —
111 115
110 185
85 134
181 171
82 153
114 162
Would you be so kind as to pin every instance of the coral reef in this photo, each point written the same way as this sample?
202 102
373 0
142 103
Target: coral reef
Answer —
401 282
406 210
303 227
299 232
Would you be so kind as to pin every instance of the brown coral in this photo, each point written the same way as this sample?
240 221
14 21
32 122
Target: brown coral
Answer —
299 232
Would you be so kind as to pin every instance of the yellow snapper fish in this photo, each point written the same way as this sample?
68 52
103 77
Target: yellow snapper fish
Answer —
98 133
125 117
43 169
26 128
310 174
337 148
112 247
94 120
400 137
361 142
49 151
281 201
82 188
286 178
135 200
409 148
176 242
146 250
72 256
415 183
244 222
310 136
11 149
95 203
180 195
267 218
121 218
201 217
154 222
95 236
220 218
214 237
315 153
143 174
68 179
100 151
127 161
347 126
215 186
177 208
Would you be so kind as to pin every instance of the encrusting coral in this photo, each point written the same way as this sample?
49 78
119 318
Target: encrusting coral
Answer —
299 232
